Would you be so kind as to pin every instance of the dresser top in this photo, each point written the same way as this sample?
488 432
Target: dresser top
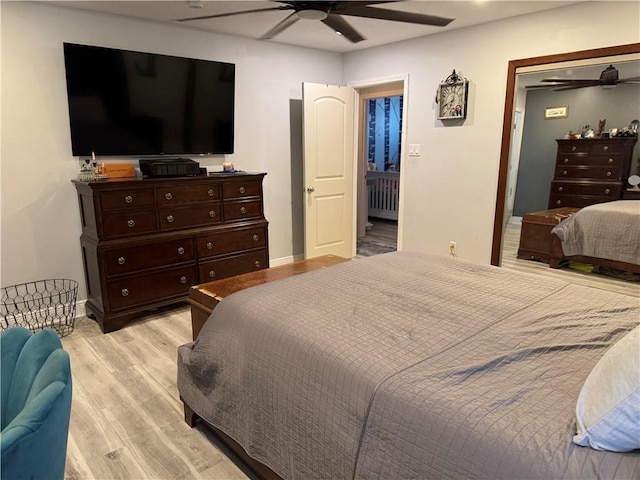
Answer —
127 181
599 139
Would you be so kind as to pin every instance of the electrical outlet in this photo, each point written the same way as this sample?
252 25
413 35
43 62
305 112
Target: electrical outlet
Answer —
452 249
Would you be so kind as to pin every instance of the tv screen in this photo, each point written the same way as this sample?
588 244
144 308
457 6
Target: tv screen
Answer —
133 103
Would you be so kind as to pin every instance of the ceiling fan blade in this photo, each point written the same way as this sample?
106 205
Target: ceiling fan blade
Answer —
220 15
630 80
280 26
579 85
529 87
394 15
341 26
569 80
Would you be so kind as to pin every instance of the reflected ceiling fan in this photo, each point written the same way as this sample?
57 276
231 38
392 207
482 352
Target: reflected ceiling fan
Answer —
331 12
609 78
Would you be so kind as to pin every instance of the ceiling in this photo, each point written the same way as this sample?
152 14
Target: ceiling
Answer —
313 33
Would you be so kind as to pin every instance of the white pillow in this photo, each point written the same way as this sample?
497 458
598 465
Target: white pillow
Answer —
608 408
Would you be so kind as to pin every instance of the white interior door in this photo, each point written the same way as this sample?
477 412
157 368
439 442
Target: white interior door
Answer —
329 161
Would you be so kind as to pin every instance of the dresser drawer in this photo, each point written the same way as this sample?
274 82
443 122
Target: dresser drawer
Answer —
151 255
577 201
245 210
188 194
598 173
231 241
189 217
144 289
611 190
233 190
129 223
230 266
591 147
126 199
614 159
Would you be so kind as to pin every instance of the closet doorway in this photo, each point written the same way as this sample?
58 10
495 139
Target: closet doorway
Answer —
380 155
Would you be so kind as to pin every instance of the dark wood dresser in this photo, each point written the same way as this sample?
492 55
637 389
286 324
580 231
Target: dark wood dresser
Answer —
145 242
590 170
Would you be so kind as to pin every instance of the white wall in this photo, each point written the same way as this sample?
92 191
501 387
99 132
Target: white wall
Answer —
40 221
449 192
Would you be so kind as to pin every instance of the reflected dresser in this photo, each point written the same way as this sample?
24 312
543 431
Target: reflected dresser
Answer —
590 170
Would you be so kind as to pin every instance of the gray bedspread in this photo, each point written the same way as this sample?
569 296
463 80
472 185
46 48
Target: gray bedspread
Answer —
608 230
405 365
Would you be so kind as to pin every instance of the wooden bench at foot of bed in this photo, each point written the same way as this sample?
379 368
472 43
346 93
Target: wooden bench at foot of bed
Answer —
204 297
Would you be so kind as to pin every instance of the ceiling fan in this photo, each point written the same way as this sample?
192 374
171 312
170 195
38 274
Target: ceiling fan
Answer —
331 12
609 78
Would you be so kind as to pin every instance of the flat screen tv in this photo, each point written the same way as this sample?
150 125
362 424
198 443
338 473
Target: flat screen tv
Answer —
133 103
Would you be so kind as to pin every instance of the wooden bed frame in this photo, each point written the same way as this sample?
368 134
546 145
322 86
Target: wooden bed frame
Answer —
557 256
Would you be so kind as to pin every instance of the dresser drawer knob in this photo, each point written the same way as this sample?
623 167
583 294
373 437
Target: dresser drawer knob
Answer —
560 189
170 218
168 196
212 274
124 292
558 202
131 223
255 238
257 263
566 160
574 148
180 251
242 190
128 199
243 210
212 213
606 190
610 160
564 172
608 174
121 261
605 148
211 192
209 245
183 279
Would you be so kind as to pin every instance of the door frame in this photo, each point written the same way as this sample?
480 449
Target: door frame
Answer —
373 88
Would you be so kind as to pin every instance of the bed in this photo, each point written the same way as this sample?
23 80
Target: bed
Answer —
604 234
406 365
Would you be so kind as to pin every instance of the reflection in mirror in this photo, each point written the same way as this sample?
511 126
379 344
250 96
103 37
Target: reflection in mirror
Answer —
578 99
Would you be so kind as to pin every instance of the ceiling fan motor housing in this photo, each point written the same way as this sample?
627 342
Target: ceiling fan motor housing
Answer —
312 10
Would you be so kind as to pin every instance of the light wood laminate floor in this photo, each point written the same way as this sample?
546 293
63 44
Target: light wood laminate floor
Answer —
127 420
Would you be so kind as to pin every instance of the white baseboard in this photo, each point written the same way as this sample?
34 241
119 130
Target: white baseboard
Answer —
276 262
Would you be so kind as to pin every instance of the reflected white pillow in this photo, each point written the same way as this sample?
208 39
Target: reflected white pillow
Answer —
608 408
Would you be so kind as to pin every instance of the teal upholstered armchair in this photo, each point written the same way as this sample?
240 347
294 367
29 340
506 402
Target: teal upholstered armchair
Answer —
36 404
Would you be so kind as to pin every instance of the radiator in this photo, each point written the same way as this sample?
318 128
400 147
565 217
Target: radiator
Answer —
383 192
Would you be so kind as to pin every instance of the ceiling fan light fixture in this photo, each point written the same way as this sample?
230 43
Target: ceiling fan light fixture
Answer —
312 14
195 4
